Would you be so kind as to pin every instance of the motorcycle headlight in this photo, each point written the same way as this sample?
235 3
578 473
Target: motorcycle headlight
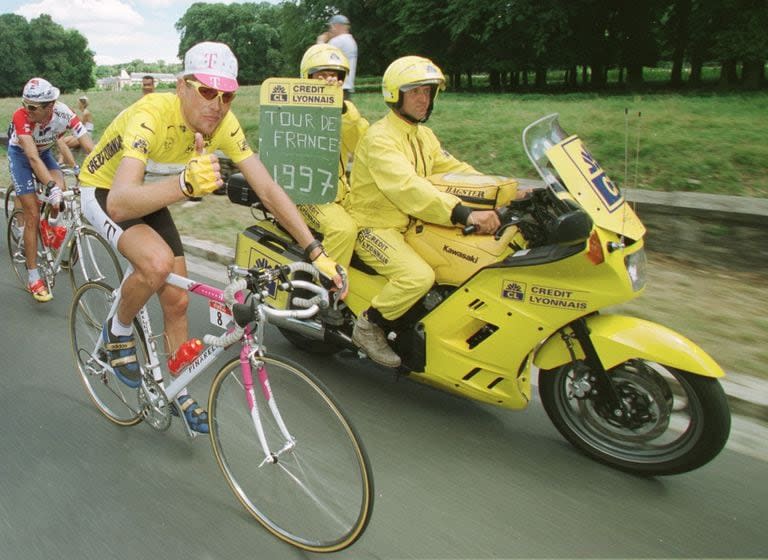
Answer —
635 264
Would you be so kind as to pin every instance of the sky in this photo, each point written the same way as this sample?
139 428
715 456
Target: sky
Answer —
117 30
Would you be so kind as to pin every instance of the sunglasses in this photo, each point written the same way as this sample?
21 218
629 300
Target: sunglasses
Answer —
33 108
209 93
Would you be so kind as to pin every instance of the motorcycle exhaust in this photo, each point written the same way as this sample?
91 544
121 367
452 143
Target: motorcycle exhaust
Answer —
313 330
309 329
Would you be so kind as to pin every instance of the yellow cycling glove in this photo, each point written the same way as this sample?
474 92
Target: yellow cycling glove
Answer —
327 268
200 176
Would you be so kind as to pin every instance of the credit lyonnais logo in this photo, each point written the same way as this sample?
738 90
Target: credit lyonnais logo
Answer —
601 183
513 290
547 296
555 297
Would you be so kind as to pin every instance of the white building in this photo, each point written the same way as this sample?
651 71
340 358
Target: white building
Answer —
133 79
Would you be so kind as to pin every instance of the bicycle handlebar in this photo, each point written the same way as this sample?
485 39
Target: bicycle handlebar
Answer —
256 280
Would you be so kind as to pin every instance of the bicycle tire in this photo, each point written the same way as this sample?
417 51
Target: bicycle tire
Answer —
95 261
17 252
317 496
10 195
115 400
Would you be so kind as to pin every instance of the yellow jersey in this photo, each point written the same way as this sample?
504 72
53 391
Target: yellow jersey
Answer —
154 128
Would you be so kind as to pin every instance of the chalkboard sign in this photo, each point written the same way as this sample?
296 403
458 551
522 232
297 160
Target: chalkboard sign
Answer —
299 137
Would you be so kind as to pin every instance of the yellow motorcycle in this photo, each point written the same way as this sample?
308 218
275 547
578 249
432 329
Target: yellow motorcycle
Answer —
526 302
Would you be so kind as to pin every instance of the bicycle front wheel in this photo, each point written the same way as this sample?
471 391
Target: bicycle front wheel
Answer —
17 251
10 200
92 258
89 311
318 493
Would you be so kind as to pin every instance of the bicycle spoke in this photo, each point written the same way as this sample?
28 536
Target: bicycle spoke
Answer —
89 310
93 259
317 494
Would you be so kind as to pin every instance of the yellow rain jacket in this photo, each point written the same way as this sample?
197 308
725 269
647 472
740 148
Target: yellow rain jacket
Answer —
389 182
331 219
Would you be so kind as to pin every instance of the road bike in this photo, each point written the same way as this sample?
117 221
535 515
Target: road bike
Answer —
85 253
287 451
9 198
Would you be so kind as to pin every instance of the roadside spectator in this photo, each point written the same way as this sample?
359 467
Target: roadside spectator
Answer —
147 85
72 143
341 38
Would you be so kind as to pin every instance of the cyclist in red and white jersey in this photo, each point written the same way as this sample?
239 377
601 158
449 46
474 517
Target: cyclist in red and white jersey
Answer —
34 129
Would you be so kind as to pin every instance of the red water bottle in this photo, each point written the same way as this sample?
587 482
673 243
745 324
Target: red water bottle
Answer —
59 233
184 355
46 230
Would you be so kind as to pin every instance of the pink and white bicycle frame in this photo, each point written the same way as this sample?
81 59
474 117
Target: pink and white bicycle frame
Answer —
220 305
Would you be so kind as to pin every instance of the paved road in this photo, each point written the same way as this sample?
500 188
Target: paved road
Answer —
454 479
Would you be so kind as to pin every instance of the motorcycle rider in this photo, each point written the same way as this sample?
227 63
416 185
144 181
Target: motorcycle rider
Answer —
389 188
339 230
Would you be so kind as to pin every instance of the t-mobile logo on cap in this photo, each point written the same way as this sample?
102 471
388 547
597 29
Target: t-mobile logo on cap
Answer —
210 59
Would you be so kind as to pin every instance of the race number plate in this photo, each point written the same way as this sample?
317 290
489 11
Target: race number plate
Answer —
219 314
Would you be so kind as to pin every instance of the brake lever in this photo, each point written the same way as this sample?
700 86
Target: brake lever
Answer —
342 291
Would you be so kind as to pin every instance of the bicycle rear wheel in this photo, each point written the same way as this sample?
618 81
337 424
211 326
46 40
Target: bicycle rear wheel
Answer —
91 259
115 400
318 495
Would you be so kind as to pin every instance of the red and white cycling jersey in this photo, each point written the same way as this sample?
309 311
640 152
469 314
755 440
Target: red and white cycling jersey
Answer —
45 135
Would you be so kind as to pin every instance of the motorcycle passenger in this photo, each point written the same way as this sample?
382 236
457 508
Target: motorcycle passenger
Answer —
339 230
389 188
133 215
35 129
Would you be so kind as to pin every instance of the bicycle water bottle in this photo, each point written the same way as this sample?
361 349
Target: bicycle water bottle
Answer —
53 236
49 238
184 355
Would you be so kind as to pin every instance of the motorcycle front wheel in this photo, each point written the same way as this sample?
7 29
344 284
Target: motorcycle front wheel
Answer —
673 421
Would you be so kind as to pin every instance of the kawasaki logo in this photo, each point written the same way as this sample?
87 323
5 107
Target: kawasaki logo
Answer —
454 252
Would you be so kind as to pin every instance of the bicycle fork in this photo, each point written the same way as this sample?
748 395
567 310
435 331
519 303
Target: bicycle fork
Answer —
248 357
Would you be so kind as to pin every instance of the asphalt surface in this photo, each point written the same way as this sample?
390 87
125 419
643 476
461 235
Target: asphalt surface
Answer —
453 478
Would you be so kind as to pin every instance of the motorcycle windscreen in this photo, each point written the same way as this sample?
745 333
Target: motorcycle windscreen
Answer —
590 185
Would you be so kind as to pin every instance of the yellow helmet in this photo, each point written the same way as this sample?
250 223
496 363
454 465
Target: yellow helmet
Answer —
408 72
323 57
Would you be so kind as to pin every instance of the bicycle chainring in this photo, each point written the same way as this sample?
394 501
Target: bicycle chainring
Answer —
154 404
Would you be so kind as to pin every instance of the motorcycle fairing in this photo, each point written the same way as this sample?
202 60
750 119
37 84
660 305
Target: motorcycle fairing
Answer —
589 184
618 338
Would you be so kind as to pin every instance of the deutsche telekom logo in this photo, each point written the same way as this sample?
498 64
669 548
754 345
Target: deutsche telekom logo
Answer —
210 59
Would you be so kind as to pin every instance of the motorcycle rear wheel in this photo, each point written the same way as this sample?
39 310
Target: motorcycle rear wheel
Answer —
678 421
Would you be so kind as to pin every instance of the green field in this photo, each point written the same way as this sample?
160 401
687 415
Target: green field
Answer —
708 142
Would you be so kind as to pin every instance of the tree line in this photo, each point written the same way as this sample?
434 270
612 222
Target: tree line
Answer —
41 47
516 43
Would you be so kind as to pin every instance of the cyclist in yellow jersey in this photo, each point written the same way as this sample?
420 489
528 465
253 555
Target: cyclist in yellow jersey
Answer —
184 127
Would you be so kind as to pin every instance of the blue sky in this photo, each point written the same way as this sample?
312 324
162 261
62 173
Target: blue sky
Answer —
117 30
